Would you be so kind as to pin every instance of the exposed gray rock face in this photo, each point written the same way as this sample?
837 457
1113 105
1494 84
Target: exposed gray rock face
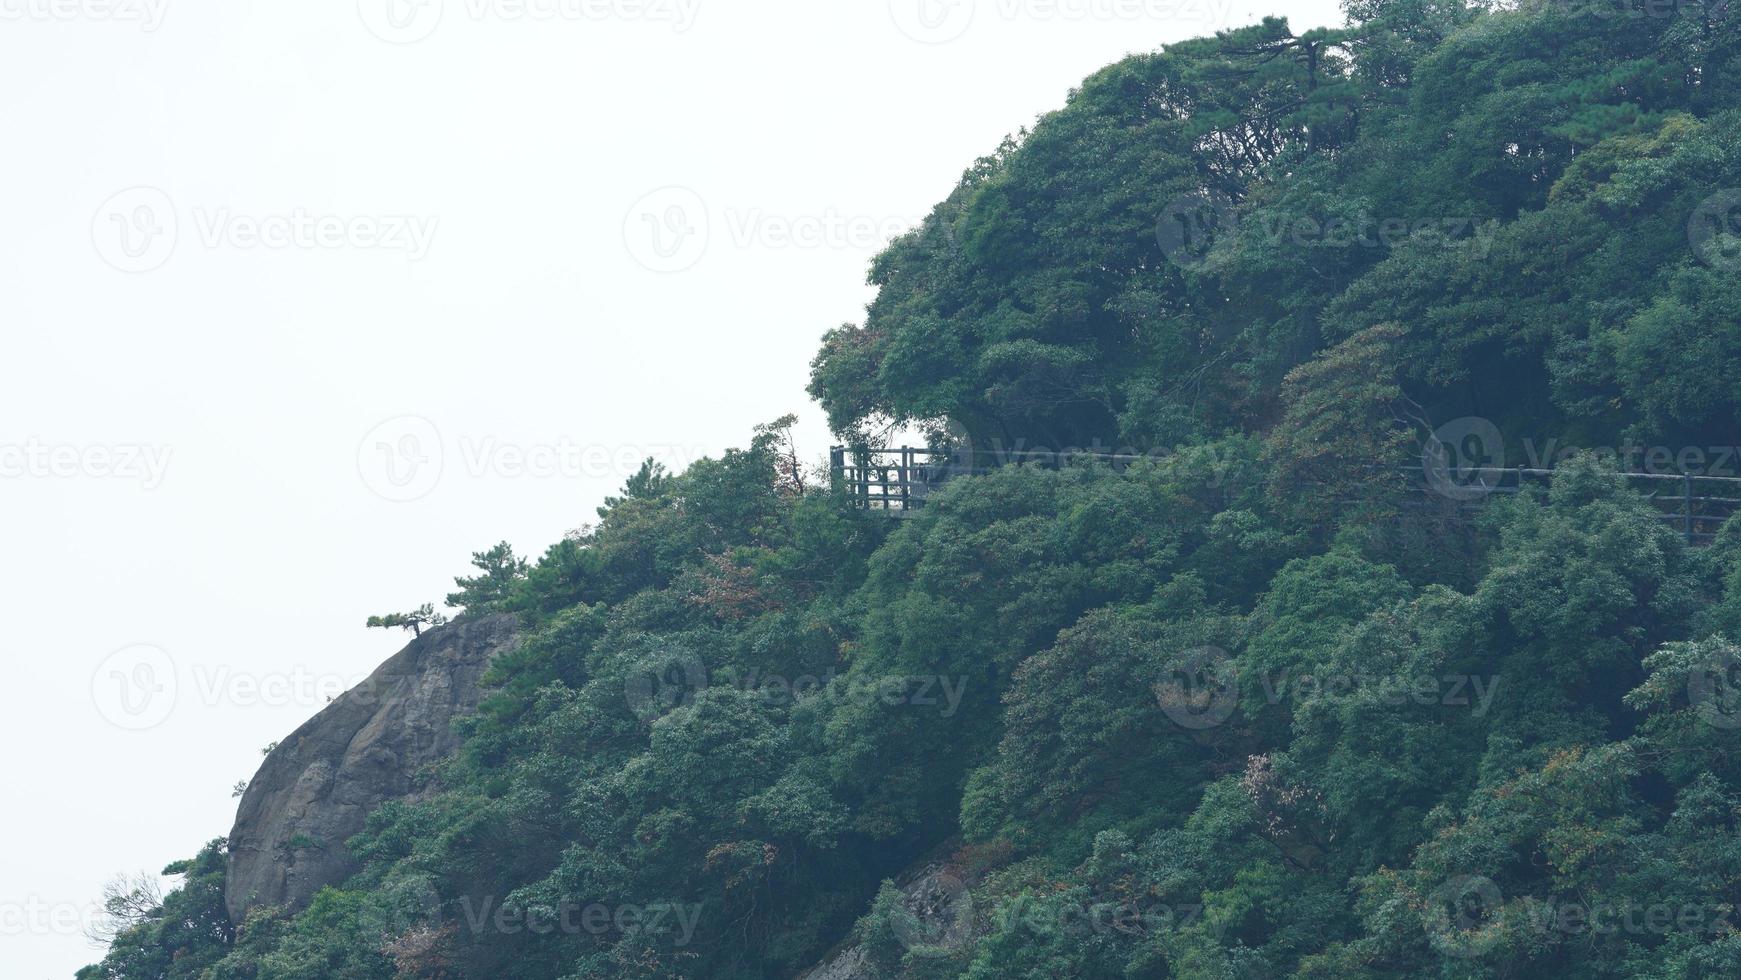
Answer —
942 907
318 786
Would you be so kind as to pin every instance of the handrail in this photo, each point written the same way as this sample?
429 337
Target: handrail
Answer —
902 484
1536 471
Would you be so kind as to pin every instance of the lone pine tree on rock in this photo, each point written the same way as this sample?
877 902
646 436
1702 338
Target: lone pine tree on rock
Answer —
415 620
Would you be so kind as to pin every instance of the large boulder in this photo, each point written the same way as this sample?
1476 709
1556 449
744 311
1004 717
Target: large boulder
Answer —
944 917
368 746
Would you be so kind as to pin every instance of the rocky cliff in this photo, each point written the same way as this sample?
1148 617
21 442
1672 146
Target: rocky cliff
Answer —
941 903
367 747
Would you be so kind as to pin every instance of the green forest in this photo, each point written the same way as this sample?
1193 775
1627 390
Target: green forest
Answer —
1249 705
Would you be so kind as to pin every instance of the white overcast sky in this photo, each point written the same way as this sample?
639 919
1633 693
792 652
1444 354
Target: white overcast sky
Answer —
305 302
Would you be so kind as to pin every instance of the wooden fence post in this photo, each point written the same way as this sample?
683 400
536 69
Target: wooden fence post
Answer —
861 477
906 478
1687 507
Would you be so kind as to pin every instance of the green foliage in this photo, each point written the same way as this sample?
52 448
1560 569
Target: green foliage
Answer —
182 937
499 572
415 620
1240 707
1342 411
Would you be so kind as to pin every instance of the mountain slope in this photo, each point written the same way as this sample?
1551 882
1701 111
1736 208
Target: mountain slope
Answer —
1253 705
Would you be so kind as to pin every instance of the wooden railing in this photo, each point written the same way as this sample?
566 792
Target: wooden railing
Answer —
1694 504
894 480
898 481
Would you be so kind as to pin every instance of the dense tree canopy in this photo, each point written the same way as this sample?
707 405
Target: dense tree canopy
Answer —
1246 707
